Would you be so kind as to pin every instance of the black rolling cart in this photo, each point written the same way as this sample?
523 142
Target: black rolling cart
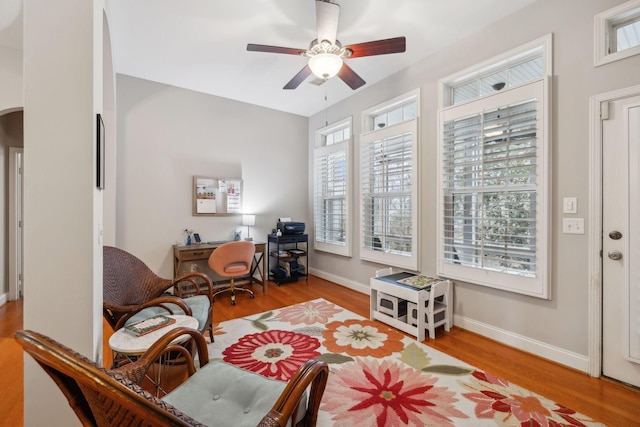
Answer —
288 257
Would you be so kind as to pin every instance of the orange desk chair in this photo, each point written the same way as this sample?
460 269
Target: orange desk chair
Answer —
233 260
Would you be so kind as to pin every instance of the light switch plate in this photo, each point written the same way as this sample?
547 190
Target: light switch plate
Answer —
570 205
573 225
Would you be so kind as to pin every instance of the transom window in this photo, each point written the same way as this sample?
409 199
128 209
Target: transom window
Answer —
617 33
395 115
626 34
509 77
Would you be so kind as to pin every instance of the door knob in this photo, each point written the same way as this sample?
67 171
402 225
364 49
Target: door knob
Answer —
615 235
615 255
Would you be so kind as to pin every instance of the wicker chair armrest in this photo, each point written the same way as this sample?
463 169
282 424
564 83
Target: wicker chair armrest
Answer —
197 280
136 371
313 372
162 301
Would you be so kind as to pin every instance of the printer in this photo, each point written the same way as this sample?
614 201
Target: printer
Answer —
291 227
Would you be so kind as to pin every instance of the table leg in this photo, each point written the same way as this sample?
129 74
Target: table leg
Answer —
260 269
422 325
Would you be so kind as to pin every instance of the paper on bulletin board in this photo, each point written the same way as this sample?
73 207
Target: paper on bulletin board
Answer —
206 205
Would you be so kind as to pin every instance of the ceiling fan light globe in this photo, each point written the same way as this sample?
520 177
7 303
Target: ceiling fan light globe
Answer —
325 65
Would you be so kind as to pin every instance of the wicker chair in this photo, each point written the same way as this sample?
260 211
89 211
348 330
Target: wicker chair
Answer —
102 397
133 292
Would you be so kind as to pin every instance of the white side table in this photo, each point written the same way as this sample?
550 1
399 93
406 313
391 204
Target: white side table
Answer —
124 343
127 346
390 286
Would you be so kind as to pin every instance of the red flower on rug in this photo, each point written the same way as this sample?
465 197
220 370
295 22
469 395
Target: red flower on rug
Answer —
309 312
274 354
386 393
362 337
498 399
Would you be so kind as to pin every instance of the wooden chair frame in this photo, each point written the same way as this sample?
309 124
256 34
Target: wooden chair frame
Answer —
101 397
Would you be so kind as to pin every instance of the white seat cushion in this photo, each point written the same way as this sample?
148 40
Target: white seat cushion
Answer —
199 305
221 394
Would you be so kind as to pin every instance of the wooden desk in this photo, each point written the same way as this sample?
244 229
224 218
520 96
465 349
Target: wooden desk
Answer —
202 252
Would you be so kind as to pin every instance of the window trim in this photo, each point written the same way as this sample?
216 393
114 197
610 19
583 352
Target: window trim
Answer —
346 249
367 116
540 286
604 23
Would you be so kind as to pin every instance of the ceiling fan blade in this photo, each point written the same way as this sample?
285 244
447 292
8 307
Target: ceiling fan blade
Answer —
275 49
298 78
327 15
353 80
378 47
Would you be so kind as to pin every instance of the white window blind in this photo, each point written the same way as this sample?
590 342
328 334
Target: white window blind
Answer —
389 195
493 199
331 192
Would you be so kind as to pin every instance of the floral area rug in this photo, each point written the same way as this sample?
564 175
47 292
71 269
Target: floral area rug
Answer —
378 376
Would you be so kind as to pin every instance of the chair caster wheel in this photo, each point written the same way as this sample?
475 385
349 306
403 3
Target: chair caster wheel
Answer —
252 296
233 303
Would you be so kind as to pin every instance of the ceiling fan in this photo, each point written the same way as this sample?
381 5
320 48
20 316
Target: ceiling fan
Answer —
326 54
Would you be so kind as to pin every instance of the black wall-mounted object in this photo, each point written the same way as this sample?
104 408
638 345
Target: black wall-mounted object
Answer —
100 143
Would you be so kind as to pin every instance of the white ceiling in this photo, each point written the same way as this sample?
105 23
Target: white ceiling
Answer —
201 44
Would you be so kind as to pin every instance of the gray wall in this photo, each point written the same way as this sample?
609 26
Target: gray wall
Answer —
11 80
62 207
559 325
166 135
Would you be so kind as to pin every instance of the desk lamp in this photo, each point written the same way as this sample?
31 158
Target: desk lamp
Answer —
248 220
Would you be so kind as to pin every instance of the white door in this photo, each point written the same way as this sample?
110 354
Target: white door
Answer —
621 241
15 223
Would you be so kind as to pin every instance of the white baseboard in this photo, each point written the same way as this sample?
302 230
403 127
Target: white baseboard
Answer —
4 298
539 348
358 287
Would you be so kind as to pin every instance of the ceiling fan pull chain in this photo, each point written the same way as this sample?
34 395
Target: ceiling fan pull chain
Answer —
326 105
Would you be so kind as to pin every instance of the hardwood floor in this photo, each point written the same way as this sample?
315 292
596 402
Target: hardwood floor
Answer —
11 365
609 402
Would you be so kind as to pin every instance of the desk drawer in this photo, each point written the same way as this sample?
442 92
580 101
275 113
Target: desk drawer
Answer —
196 254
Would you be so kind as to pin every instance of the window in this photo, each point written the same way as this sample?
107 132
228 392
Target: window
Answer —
332 186
493 210
521 72
617 33
389 183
